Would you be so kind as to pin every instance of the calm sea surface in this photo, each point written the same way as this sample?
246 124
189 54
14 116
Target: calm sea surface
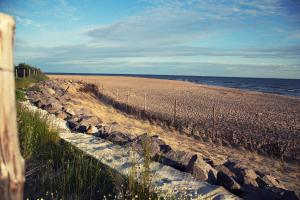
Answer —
289 87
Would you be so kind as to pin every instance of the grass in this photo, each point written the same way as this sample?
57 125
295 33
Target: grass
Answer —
57 170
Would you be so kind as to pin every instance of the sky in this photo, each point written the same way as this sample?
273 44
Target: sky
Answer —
235 38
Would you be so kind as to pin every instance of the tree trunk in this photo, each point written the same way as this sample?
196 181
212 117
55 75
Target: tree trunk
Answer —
11 162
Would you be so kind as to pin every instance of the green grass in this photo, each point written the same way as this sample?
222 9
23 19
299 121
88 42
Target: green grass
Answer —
57 170
24 83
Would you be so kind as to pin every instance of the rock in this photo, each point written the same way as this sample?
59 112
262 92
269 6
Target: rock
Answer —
250 177
81 128
53 107
62 115
156 145
177 159
50 91
268 180
72 123
240 174
90 120
120 138
204 172
92 130
228 183
70 111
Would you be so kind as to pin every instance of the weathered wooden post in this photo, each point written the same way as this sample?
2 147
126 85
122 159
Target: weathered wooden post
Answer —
117 94
29 72
175 110
16 73
213 128
11 161
24 73
145 102
127 101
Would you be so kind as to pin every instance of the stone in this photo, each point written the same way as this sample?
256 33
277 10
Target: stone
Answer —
120 138
156 145
268 180
50 91
92 130
177 159
204 172
90 120
53 107
250 177
228 183
62 115
72 123
70 111
81 128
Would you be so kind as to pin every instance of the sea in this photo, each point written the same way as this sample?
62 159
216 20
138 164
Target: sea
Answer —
289 87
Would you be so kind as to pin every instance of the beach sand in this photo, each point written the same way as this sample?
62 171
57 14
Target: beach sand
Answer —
252 115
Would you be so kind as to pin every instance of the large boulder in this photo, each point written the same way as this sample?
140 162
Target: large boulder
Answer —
180 160
153 144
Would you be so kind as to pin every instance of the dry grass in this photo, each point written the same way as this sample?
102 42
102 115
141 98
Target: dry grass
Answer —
288 173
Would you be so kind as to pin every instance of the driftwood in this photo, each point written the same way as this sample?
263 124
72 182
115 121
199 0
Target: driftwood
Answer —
11 161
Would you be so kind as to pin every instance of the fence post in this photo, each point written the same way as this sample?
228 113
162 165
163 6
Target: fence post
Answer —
11 162
24 73
175 110
145 102
16 73
213 128
28 72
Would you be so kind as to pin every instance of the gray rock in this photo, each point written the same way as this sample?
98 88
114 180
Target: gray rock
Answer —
90 120
177 159
268 180
228 183
72 123
203 171
120 138
155 145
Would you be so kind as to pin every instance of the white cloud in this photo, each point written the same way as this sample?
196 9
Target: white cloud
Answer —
28 22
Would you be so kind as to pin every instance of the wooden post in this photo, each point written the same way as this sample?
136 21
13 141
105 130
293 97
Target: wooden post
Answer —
16 73
145 102
11 161
28 72
213 128
175 110
127 97
24 73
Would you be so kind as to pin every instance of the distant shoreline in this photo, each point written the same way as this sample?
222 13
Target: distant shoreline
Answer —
286 87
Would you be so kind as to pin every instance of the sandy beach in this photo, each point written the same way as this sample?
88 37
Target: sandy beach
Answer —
267 123
287 173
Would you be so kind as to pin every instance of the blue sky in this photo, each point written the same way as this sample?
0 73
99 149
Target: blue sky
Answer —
246 38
